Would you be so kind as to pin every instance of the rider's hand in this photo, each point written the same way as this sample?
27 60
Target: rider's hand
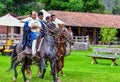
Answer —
33 26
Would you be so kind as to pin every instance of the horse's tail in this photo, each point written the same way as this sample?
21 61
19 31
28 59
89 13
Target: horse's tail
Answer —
13 57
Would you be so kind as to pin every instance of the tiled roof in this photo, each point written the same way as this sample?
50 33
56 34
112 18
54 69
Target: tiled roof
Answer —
87 19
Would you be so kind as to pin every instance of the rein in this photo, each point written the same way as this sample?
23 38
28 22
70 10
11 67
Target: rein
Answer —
50 31
63 40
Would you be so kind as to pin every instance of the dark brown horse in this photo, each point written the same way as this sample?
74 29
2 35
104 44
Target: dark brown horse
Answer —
66 36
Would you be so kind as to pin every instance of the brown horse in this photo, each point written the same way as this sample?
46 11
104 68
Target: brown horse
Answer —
66 36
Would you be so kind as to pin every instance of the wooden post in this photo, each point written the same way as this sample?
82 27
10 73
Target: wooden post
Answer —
7 35
12 32
79 31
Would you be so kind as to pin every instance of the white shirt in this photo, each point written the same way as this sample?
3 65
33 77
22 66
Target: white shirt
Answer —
35 22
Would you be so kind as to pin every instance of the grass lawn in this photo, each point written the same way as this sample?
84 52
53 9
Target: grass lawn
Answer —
78 68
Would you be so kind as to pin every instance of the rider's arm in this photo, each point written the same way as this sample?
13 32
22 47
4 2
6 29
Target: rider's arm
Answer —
26 27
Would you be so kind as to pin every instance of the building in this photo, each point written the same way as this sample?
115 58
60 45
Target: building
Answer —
88 23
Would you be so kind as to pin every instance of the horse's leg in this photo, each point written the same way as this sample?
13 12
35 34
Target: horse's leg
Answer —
28 72
61 71
24 66
15 70
54 70
39 70
43 68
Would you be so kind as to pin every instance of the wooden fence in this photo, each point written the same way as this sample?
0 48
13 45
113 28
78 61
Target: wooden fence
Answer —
15 37
81 38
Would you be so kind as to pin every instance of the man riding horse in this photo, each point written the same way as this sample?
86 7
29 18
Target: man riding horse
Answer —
31 30
47 52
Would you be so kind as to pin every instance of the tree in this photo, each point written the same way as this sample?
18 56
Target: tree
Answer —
22 7
1 7
75 5
116 8
95 6
69 5
19 7
55 4
108 34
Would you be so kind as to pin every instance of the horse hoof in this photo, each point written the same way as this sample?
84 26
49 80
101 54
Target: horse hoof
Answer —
30 77
27 81
58 80
14 79
63 75
40 76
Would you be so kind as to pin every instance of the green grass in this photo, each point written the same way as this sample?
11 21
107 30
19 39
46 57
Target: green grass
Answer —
78 68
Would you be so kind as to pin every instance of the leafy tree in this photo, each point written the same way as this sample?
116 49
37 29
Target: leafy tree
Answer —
20 7
93 6
1 7
6 6
55 4
75 5
108 34
116 8
69 5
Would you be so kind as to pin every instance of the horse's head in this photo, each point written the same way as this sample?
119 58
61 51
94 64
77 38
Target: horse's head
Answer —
52 28
66 33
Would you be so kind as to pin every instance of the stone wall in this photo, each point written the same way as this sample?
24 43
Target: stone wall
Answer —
80 46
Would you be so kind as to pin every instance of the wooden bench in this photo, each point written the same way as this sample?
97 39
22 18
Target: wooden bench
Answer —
105 53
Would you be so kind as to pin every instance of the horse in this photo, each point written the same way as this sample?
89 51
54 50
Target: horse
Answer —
46 53
18 49
19 56
65 38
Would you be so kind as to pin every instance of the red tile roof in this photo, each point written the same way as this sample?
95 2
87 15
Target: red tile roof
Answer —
87 19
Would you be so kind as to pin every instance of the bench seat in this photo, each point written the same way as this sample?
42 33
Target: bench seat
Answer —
104 56
110 54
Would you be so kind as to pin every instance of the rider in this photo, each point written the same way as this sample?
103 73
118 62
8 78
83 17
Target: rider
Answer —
41 32
31 27
53 18
40 19
48 19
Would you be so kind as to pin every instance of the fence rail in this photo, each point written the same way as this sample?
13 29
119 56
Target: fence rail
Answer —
10 36
15 37
81 38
